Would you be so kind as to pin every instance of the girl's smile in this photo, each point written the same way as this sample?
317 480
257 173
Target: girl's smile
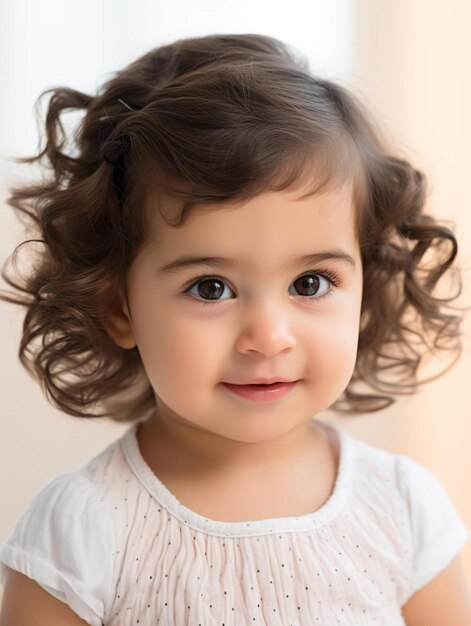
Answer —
262 393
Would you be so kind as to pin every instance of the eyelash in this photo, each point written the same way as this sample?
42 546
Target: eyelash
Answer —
332 277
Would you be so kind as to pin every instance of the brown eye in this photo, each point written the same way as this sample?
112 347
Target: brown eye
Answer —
210 288
312 285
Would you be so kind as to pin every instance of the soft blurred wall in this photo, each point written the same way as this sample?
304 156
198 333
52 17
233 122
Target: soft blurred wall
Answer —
412 66
406 59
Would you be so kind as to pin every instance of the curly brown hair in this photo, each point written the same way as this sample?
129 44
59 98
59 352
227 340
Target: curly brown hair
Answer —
209 120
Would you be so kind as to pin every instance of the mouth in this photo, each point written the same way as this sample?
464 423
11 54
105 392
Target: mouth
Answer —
262 392
276 382
264 382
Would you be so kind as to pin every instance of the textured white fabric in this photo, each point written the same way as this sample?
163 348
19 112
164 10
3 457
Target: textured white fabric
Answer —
64 541
111 541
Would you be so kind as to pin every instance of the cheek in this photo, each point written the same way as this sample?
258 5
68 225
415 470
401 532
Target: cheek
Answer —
333 347
331 355
175 352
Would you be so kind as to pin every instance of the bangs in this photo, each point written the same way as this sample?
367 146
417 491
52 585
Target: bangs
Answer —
304 169
333 164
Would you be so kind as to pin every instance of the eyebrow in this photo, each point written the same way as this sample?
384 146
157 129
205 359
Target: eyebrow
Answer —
217 261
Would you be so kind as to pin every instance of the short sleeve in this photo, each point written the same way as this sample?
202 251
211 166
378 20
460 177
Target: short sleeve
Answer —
63 541
437 531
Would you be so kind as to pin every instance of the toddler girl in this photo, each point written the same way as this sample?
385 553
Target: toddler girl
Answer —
226 249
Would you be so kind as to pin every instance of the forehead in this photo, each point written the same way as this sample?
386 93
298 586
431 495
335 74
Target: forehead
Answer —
267 225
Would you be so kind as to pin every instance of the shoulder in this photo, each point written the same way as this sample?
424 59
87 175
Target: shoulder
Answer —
431 512
436 529
412 482
68 503
410 486
412 502
65 540
66 492
416 481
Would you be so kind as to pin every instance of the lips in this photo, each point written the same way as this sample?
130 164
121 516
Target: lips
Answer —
264 384
264 381
261 392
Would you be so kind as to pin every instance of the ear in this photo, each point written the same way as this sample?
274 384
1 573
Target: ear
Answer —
118 325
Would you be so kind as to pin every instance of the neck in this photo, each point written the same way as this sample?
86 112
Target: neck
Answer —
185 443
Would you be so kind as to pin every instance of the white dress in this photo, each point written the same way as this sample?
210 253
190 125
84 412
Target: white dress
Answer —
110 540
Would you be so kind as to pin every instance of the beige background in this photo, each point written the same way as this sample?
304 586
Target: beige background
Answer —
409 60
412 61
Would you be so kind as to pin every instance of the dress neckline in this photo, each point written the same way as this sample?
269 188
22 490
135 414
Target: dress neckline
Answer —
332 507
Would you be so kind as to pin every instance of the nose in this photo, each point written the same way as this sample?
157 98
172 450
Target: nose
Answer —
265 329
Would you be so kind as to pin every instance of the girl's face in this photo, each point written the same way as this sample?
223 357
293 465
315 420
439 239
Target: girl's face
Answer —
264 313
